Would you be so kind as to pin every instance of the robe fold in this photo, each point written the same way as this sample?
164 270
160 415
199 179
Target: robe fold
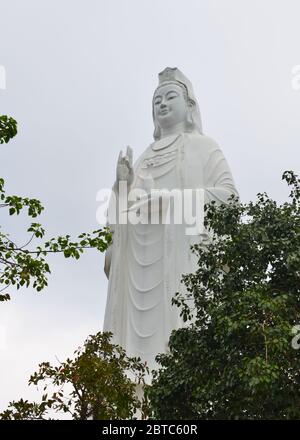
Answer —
148 260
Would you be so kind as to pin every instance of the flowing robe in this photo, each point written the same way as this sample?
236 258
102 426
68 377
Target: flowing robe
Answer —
148 260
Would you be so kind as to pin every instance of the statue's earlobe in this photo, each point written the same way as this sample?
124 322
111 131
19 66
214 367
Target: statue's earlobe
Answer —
157 133
189 119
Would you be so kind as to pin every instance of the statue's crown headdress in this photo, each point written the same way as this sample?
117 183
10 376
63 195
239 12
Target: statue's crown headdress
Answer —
174 74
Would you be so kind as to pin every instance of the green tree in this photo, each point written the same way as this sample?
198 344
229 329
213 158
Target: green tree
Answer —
235 359
93 385
21 266
8 129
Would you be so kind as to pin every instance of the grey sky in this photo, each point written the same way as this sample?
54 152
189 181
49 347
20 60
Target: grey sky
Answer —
80 78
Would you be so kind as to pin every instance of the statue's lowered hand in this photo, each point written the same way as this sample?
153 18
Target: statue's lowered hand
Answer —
125 167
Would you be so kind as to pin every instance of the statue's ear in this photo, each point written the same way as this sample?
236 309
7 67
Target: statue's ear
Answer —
157 133
191 104
190 119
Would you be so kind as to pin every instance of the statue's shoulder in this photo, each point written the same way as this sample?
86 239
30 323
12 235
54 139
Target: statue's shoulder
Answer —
141 158
199 147
196 140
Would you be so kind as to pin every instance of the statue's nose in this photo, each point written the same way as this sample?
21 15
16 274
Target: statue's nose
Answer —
162 105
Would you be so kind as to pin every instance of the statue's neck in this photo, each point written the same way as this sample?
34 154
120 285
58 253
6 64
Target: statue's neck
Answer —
174 129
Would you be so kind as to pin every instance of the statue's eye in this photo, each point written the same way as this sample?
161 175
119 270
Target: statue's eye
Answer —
157 101
172 96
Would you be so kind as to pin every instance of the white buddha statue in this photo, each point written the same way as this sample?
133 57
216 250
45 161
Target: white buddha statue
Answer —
145 262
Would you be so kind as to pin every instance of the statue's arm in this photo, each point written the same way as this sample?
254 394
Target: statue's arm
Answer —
107 261
125 173
219 183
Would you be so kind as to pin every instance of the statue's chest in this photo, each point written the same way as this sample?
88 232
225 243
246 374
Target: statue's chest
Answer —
161 162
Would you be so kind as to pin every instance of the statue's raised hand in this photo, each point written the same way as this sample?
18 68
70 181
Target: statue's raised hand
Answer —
125 167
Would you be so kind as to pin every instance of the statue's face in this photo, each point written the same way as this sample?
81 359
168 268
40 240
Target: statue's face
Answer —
169 105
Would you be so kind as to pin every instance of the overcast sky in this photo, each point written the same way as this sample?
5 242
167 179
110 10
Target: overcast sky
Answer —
79 80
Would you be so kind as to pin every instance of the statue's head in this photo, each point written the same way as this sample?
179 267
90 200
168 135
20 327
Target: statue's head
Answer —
174 102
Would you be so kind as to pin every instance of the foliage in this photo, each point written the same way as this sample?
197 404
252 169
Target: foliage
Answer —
8 129
20 266
234 360
93 385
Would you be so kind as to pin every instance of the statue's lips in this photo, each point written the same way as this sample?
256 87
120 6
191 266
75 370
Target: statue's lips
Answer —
164 112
